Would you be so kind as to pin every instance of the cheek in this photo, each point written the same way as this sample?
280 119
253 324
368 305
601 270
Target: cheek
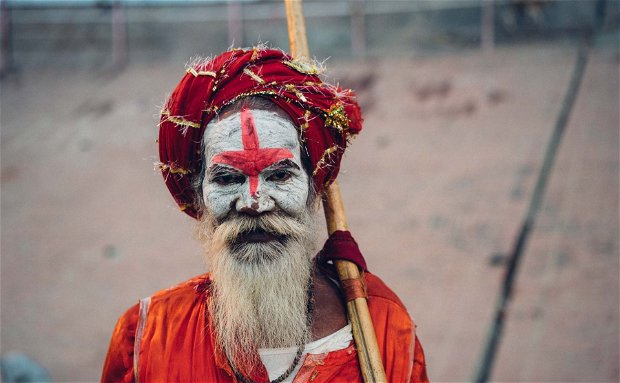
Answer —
218 201
292 196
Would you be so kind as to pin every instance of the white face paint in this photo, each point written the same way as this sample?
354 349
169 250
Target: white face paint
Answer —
253 165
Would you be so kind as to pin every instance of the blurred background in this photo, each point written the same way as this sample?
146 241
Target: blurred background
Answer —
483 189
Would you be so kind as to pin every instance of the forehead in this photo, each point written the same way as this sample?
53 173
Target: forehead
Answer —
272 130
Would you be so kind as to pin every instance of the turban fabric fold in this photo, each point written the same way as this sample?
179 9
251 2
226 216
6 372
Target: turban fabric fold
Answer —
325 115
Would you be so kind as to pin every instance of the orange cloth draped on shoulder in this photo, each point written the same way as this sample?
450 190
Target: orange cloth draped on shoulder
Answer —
177 344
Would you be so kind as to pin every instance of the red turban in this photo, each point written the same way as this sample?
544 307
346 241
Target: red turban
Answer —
325 115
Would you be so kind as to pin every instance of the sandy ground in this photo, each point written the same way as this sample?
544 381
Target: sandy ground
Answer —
435 187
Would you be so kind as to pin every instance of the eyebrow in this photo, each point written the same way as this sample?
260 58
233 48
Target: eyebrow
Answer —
286 163
219 168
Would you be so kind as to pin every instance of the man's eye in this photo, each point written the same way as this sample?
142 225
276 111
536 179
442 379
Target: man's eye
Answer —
228 179
279 176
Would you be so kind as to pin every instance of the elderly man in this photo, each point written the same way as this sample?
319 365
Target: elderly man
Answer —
248 142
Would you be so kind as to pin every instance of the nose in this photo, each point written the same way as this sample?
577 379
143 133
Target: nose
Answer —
254 204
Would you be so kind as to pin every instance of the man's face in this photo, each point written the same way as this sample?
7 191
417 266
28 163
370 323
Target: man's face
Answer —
254 166
259 232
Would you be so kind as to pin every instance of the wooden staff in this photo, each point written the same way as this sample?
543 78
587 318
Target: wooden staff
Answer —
357 309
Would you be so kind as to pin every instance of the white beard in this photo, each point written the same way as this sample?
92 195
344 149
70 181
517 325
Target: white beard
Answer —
259 291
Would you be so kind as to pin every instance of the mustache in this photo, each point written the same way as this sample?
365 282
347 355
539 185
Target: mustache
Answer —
277 224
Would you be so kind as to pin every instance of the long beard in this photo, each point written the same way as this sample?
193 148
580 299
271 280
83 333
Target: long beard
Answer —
260 290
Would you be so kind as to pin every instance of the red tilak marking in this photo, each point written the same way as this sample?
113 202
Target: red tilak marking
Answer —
252 159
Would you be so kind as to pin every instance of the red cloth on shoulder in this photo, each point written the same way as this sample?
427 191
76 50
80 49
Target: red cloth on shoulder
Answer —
342 245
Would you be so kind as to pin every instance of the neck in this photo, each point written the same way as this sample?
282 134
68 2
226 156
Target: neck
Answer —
329 313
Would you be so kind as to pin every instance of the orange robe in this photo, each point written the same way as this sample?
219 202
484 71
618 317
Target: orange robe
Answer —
175 342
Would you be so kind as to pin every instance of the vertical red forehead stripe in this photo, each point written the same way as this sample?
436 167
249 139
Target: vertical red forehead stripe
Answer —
252 159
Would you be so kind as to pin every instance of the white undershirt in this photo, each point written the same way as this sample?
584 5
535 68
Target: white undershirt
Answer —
278 360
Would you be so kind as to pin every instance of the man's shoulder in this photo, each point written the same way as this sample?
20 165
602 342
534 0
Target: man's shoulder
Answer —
377 289
188 289
378 292
187 293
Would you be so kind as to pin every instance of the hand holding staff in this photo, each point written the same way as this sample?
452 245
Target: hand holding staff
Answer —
348 272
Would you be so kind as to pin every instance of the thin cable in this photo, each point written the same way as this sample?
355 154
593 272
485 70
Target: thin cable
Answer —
493 340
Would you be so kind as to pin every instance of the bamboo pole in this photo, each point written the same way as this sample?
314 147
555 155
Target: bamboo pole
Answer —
357 309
